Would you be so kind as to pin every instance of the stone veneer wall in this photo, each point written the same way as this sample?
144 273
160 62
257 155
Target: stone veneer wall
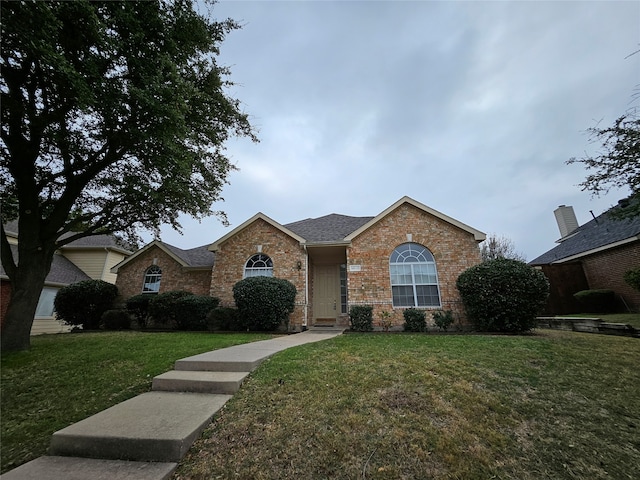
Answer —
284 251
454 251
174 275
605 270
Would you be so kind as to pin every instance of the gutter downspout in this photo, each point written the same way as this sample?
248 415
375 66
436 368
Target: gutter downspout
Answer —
104 266
306 287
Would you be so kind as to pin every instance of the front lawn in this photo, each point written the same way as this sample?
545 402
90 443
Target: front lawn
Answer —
65 378
374 406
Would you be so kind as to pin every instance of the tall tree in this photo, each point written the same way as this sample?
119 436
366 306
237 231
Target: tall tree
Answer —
114 118
496 246
617 163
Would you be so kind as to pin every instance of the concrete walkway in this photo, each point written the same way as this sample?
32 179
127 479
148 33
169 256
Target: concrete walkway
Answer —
145 437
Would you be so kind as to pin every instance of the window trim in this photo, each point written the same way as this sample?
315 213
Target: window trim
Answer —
262 271
421 251
150 275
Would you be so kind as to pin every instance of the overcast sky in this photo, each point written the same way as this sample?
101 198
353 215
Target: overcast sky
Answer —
471 108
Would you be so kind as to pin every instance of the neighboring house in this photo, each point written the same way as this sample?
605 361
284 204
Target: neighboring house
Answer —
159 267
84 259
407 256
592 256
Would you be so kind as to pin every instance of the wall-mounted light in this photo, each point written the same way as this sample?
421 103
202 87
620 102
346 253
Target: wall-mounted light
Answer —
299 265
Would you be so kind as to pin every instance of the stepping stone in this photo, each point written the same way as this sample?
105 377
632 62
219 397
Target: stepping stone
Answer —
72 468
199 382
154 426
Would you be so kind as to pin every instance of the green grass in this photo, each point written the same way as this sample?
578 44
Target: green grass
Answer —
632 319
65 378
361 406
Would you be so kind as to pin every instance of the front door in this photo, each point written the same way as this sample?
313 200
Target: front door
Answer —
326 293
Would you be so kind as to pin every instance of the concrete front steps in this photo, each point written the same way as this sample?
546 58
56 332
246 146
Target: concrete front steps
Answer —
145 437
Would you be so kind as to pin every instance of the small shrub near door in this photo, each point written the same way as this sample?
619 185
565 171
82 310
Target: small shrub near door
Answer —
632 277
414 320
443 319
83 303
264 303
361 318
503 295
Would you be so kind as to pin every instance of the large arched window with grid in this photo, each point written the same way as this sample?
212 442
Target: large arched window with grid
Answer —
152 277
414 278
260 265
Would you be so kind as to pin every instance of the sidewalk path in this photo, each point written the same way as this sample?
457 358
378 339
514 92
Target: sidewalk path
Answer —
145 437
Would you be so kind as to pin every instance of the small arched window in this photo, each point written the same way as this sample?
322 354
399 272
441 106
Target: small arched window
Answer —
152 278
260 265
414 279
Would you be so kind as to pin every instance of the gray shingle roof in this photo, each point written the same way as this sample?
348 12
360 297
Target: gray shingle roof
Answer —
194 257
599 232
330 228
63 271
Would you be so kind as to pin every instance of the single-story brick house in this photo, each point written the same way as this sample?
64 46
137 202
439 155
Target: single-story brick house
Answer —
410 255
591 256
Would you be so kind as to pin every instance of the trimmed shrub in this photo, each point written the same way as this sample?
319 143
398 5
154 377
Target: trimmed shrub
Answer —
632 277
191 311
361 318
596 301
83 303
225 319
162 307
415 320
443 319
138 306
264 303
503 295
119 319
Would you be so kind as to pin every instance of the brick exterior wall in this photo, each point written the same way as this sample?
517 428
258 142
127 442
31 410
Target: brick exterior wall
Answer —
605 270
174 275
454 251
284 251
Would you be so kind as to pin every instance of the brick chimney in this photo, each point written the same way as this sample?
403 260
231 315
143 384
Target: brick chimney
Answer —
566 218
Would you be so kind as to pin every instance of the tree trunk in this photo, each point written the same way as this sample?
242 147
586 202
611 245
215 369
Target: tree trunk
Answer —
26 287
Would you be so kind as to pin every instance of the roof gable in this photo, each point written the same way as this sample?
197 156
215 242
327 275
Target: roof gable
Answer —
477 234
258 216
198 257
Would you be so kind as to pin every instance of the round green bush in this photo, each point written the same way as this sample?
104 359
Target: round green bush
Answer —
503 295
83 303
191 311
264 303
415 320
361 318
162 307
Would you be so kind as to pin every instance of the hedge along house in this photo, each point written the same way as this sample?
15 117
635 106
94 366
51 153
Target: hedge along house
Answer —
407 256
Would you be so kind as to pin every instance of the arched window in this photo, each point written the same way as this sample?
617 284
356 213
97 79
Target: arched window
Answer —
414 279
260 265
152 279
